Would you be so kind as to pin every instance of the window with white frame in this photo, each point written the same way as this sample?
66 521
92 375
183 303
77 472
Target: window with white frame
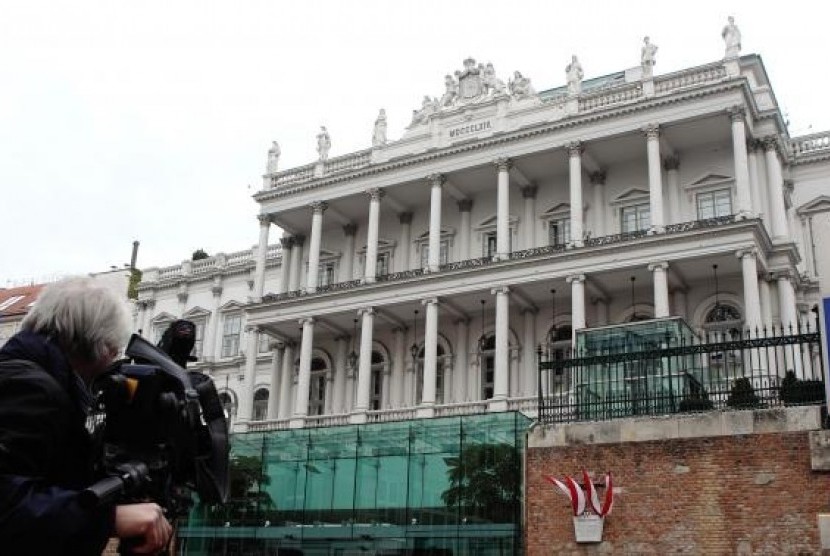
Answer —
260 404
326 274
711 204
559 231
231 330
198 344
443 253
634 218
317 387
264 344
382 267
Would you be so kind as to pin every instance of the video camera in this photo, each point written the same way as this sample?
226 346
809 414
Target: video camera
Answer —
162 432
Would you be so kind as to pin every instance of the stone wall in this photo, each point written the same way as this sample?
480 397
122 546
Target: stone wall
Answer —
754 492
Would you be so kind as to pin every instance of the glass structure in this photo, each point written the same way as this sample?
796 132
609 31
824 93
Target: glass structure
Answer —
444 486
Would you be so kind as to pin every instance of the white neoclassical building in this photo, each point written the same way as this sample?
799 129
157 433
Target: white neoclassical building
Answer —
417 277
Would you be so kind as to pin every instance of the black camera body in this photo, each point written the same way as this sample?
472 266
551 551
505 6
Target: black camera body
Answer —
163 432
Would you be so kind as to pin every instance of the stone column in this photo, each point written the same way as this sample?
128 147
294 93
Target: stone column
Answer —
503 209
317 210
789 322
278 350
434 258
347 264
286 380
766 299
212 340
655 178
679 302
744 198
501 380
396 388
529 235
296 263
757 183
775 183
462 334
575 187
364 373
465 206
372 235
430 374
404 253
528 383
285 265
339 387
598 185
661 288
671 165
259 277
304 379
246 397
752 296
577 282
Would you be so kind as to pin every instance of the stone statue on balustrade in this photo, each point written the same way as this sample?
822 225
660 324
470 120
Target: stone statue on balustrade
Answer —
520 86
574 74
732 37
273 158
451 91
492 84
323 143
379 133
429 106
648 58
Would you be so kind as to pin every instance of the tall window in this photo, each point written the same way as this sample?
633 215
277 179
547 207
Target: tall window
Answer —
635 218
227 405
317 390
559 231
714 203
325 275
491 243
261 404
442 255
488 367
378 365
198 345
382 267
231 329
264 344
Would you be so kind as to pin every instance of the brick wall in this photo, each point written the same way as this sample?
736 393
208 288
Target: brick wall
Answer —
739 494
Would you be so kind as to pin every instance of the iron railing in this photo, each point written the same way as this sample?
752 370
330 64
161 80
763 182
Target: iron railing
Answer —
728 369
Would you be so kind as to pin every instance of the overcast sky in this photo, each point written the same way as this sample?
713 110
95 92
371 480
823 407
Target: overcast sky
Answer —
150 120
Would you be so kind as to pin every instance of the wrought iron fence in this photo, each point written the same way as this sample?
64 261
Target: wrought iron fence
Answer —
726 369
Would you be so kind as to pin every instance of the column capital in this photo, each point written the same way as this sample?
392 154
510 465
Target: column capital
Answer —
350 229
287 242
366 311
736 113
429 301
252 328
770 142
597 178
306 320
751 252
575 148
782 274
375 193
437 180
318 207
465 205
575 278
405 217
503 164
652 131
671 163
753 144
500 290
276 345
264 219
662 265
529 192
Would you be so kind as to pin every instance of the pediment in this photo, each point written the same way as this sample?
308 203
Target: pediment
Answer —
707 179
383 244
631 194
819 204
164 316
231 306
195 312
491 222
561 208
444 232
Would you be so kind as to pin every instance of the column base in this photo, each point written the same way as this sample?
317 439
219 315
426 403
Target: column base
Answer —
497 405
358 418
297 422
425 412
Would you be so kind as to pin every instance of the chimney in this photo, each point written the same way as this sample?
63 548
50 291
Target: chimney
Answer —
135 255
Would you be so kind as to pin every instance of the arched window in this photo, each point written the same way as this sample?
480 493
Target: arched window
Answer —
439 375
723 319
378 367
260 405
317 390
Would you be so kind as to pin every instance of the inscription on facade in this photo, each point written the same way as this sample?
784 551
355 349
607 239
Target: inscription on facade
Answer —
467 129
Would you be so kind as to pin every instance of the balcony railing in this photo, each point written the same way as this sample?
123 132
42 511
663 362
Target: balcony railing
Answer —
810 144
732 369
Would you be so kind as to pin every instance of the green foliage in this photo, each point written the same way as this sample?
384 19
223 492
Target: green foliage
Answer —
742 395
199 254
795 391
485 482
696 402
132 287
247 499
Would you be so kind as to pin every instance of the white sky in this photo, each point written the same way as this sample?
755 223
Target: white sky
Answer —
151 120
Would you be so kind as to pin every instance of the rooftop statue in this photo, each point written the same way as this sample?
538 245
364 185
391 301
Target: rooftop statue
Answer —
520 86
323 143
732 37
428 107
451 92
647 58
273 158
492 84
574 74
379 133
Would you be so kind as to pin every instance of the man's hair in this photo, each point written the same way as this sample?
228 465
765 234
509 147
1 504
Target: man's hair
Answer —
85 317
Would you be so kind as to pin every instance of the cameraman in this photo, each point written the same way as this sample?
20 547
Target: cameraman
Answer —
73 333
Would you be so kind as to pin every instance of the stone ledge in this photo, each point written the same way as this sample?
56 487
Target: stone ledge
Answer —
820 456
695 425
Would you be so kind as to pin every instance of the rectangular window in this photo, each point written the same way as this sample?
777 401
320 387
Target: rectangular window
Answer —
713 204
200 338
442 256
231 329
559 231
635 218
382 267
264 341
325 275
491 242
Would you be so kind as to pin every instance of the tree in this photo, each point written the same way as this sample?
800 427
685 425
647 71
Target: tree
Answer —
199 254
132 287
485 482
247 499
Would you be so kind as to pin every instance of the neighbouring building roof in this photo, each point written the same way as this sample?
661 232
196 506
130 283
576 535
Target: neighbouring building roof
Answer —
18 301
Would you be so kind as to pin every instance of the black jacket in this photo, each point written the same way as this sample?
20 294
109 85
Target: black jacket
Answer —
45 454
